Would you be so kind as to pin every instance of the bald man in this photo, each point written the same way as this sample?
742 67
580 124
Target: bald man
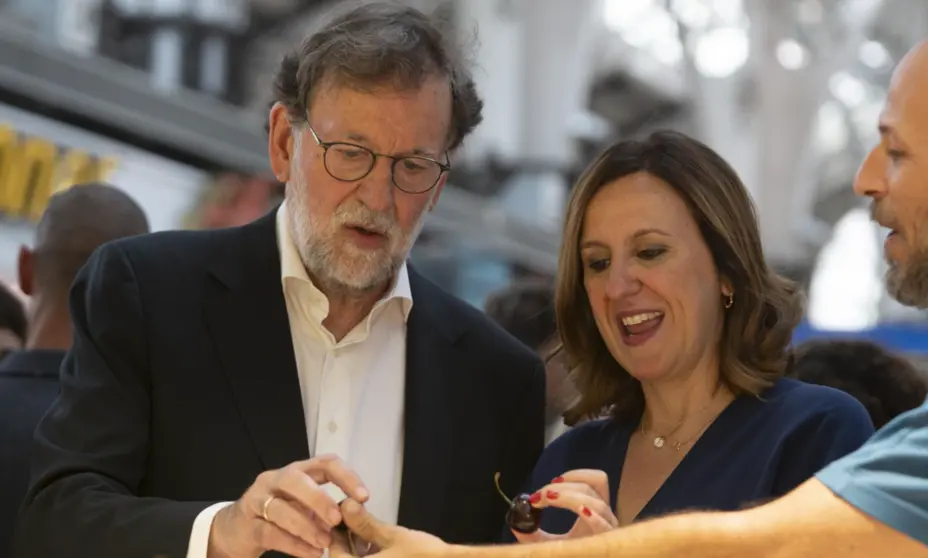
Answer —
871 504
74 224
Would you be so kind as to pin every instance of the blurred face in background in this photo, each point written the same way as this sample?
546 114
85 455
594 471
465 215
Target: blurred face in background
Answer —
354 234
895 176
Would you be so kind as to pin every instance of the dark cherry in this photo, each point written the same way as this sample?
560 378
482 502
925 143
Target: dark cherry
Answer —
522 516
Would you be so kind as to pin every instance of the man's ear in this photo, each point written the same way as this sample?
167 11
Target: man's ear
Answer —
280 142
26 271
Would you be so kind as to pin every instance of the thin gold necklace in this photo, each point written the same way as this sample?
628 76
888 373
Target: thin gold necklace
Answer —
661 439
678 445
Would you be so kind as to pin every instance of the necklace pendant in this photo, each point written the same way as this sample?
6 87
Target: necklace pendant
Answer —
659 442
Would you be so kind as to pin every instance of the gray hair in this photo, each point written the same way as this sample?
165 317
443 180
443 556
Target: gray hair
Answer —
376 44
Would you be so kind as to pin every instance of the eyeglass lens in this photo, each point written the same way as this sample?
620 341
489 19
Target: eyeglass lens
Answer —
350 162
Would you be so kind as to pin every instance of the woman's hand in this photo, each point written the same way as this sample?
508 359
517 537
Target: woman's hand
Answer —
582 491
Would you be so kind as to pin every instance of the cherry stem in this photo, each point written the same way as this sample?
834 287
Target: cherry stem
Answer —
500 490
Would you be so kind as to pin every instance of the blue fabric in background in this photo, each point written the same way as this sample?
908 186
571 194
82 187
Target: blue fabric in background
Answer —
908 338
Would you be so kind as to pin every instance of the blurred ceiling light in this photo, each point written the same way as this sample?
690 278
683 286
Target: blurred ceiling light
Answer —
832 133
847 89
810 12
620 15
791 54
653 26
694 14
721 52
668 51
730 12
874 55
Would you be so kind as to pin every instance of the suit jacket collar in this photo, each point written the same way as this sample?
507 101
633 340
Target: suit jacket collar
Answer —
247 318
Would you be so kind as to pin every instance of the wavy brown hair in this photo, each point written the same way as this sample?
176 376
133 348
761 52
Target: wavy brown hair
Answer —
767 307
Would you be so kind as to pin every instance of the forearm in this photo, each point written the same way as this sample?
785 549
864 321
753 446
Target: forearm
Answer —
809 522
691 535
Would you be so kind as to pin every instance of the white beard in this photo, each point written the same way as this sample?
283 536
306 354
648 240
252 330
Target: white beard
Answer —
343 265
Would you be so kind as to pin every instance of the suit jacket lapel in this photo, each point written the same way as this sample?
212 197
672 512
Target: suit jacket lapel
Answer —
247 317
427 430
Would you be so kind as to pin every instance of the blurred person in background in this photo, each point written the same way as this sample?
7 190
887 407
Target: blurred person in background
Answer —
874 501
526 310
13 326
886 384
75 222
675 326
227 387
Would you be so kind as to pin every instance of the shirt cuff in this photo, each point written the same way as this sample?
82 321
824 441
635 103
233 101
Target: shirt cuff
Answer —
199 535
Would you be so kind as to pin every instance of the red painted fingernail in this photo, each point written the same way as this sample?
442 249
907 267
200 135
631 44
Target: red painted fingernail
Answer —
535 498
586 511
551 495
557 480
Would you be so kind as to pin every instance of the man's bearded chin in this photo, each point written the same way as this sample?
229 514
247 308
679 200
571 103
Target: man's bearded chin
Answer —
340 265
908 283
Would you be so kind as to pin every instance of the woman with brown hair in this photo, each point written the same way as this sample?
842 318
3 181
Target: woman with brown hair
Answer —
676 329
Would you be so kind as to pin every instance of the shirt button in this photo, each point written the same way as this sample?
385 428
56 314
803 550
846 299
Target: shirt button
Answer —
333 426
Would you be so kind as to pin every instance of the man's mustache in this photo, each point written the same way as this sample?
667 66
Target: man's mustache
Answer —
360 215
880 215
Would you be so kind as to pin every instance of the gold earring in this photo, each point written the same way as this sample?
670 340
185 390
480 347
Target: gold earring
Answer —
731 301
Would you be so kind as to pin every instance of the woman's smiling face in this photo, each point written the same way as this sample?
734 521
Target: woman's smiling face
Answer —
653 288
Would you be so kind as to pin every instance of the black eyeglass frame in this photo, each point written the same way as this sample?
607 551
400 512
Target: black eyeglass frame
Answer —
326 145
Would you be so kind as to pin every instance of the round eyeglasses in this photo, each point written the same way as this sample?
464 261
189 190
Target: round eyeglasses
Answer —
348 162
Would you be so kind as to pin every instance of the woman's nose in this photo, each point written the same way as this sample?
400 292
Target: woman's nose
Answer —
621 283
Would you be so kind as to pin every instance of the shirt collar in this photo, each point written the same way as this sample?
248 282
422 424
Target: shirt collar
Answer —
291 267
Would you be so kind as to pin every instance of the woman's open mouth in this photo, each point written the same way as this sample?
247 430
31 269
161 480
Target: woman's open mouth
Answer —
640 326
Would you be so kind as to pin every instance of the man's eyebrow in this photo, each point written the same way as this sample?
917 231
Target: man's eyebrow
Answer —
361 138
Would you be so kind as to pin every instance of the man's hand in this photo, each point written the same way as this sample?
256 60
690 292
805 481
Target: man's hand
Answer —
285 510
392 541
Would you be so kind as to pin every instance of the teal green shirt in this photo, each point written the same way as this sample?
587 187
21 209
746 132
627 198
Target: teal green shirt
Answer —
887 478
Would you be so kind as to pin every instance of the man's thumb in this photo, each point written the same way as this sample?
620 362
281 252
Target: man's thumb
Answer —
365 525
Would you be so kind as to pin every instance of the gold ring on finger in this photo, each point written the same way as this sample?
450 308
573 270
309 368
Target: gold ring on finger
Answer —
265 506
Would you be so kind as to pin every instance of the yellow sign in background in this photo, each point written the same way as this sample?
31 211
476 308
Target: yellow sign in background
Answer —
34 168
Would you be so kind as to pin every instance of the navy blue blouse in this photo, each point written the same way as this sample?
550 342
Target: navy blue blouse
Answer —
757 449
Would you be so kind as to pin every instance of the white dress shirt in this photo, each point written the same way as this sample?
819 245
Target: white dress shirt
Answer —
352 390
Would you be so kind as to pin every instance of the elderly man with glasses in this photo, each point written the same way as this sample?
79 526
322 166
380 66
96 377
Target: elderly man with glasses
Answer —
227 388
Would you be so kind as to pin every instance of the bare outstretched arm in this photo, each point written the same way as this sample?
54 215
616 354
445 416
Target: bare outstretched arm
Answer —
809 522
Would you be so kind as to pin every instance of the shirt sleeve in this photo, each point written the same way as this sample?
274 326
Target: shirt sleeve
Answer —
887 478
199 535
